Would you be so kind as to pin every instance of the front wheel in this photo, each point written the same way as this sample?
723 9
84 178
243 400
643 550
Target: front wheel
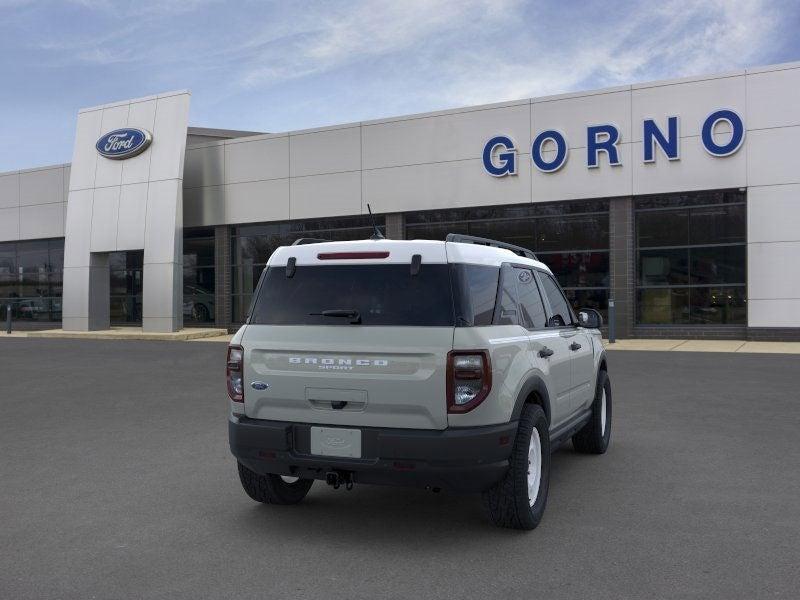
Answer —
594 437
273 489
519 499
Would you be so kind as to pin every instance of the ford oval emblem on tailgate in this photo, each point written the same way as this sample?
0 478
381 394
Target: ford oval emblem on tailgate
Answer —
259 385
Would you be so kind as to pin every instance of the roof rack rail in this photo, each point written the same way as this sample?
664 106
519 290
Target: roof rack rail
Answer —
471 239
304 241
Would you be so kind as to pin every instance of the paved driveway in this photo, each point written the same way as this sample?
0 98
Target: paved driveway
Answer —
116 482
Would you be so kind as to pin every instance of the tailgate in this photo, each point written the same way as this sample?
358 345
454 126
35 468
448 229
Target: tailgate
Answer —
379 376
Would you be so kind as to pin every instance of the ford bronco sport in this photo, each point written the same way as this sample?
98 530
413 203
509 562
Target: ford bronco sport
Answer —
452 365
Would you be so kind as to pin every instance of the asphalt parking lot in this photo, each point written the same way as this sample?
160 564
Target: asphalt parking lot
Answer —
116 482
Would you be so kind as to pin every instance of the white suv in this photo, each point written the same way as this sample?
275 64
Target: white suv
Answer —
456 365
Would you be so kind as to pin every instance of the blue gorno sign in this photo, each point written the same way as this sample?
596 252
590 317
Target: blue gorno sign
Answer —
500 152
123 143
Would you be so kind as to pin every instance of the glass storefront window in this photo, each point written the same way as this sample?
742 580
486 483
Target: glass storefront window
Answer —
126 287
691 259
199 277
30 279
572 238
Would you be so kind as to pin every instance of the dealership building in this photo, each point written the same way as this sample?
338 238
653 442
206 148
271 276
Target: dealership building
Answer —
677 200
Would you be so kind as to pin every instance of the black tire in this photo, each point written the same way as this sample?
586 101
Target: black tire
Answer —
507 502
594 438
271 489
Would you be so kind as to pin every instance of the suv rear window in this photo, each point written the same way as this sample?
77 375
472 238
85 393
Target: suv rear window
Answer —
381 294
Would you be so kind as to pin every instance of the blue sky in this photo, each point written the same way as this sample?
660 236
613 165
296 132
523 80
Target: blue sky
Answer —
277 66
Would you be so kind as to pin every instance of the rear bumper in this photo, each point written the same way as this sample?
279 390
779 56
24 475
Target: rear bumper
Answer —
469 459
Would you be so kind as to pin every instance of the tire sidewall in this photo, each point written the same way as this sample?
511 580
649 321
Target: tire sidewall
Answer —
603 384
533 417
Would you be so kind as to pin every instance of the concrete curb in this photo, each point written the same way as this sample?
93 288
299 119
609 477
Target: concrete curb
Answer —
737 346
124 333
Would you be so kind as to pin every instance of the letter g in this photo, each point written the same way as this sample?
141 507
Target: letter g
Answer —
507 157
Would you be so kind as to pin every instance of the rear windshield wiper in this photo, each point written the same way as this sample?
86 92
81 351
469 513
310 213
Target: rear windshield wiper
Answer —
353 315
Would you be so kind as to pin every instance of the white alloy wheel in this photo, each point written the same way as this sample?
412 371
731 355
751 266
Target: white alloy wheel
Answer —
289 479
603 414
534 466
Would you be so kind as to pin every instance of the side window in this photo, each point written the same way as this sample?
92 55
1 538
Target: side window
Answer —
530 301
506 308
475 292
561 313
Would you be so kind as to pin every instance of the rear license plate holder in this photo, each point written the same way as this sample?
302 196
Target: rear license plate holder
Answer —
336 441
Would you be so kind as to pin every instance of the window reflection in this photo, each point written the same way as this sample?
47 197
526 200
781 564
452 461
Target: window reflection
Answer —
572 238
691 258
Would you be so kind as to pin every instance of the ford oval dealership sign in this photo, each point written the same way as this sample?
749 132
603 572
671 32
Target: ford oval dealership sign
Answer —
124 143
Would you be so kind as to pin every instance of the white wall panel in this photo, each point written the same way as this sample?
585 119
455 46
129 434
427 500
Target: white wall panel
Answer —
105 218
163 201
75 303
41 221
84 157
79 215
325 195
169 137
9 190
696 170
132 212
257 201
442 185
443 138
575 180
328 151
43 186
141 115
9 224
772 270
773 313
692 101
773 213
258 160
773 156
773 99
109 171
571 116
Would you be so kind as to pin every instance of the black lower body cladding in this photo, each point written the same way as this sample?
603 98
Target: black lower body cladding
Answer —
469 459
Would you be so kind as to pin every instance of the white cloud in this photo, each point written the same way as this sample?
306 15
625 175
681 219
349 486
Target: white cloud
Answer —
672 40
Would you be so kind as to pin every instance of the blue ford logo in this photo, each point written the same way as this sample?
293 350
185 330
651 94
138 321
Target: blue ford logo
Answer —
259 385
123 143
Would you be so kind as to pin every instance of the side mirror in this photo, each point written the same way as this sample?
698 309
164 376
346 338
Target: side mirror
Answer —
590 318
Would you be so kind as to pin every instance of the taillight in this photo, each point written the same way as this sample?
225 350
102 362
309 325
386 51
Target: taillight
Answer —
469 379
235 373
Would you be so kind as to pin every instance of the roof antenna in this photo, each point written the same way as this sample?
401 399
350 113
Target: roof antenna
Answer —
377 235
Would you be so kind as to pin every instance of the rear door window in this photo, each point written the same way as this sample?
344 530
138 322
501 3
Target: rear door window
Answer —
475 292
530 300
507 313
381 294
561 313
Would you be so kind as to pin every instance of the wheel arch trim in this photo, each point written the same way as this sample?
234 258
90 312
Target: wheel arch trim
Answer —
534 384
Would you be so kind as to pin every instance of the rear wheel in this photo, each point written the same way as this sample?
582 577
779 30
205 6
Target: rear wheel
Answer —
273 489
518 500
596 434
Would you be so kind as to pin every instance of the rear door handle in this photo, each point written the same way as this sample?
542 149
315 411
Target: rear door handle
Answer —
574 346
545 352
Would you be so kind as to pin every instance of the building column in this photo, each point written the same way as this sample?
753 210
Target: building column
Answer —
222 276
621 263
86 302
395 226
